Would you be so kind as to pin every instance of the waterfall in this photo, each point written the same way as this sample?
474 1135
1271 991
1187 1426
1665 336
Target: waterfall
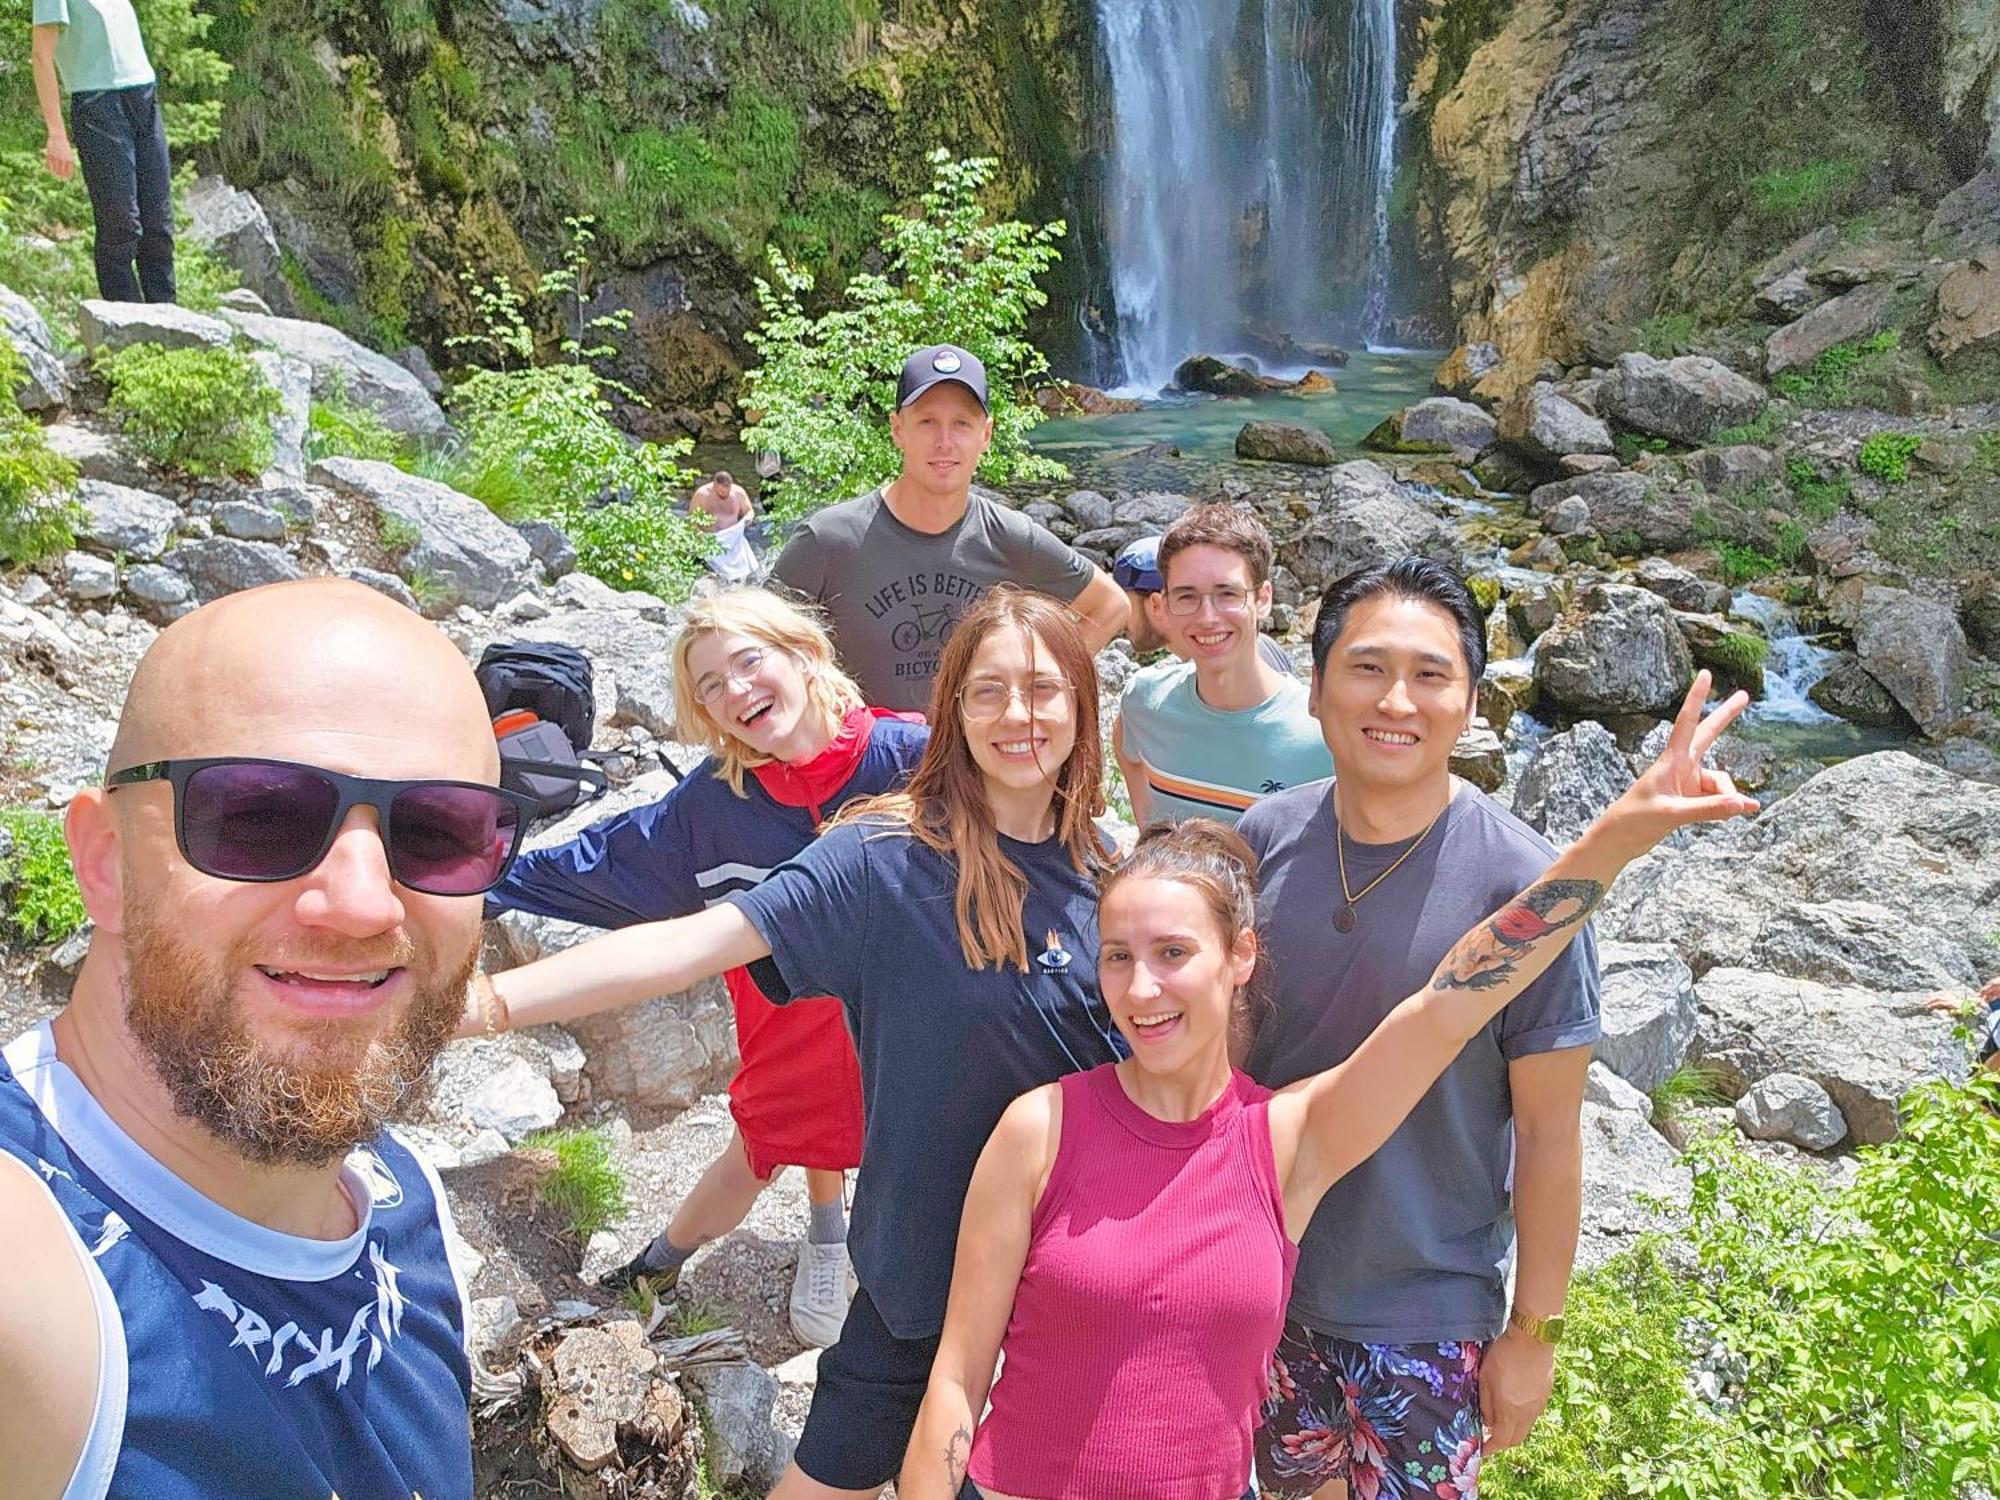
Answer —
1247 201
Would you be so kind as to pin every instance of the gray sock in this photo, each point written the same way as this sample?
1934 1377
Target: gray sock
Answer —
664 1255
829 1224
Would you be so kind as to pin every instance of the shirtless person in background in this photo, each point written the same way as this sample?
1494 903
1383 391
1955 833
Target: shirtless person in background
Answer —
722 500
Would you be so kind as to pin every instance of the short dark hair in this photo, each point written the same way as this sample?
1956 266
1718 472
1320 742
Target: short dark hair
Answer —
722 479
1406 578
1218 523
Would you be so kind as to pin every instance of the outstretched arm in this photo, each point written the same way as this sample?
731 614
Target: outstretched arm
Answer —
992 1247
620 968
1325 1125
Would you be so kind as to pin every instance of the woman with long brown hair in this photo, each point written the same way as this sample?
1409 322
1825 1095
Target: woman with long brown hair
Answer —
957 923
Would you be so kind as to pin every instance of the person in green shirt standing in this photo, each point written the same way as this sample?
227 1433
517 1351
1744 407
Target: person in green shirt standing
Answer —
115 133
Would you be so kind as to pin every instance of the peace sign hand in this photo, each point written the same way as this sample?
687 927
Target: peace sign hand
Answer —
1677 789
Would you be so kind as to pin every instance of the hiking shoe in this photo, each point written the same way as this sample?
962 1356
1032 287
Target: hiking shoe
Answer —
820 1289
636 1276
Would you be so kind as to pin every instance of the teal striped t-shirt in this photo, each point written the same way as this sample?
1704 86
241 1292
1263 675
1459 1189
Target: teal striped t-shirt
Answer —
1204 762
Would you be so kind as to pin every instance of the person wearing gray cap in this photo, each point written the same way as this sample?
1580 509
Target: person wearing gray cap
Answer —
897 567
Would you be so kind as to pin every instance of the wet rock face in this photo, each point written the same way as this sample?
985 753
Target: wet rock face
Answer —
1217 377
1617 650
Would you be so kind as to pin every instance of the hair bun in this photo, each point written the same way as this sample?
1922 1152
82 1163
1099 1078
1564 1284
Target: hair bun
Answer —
1200 838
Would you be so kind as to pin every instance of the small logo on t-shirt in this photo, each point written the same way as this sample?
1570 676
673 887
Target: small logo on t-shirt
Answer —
1056 958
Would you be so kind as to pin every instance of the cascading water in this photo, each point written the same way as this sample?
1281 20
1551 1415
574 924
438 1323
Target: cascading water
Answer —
1248 195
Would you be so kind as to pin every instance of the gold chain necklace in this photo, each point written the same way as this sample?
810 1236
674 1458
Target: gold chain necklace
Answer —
1343 919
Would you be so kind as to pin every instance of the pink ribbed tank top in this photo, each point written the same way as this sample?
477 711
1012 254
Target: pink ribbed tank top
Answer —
1149 1305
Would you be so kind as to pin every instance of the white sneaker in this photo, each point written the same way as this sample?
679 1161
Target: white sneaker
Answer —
821 1288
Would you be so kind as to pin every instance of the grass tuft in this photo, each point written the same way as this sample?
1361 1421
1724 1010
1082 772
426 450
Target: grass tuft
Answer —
586 1187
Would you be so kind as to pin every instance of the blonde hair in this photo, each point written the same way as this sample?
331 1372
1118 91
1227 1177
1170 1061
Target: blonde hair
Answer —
762 615
945 804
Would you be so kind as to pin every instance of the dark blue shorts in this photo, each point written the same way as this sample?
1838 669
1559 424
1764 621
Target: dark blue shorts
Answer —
865 1403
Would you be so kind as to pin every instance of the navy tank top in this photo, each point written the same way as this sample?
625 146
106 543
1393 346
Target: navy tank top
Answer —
236 1362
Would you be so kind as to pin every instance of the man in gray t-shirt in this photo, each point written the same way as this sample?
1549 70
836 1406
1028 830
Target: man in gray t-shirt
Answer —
1366 881
896 568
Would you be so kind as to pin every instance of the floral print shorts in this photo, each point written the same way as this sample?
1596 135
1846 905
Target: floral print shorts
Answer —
1396 1421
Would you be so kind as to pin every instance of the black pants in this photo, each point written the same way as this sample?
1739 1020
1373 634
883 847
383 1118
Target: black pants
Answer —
122 145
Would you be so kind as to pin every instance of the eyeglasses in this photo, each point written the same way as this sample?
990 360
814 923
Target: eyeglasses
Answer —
1227 601
741 667
988 699
238 818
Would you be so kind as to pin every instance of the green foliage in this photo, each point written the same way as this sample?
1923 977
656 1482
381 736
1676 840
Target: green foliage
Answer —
1857 1330
397 535
1741 562
1797 197
338 427
1887 455
1819 499
1838 376
1666 334
1738 655
1690 1086
1789 542
827 384
1629 445
540 440
43 904
191 74
37 515
1760 430
585 1187
205 412
1986 450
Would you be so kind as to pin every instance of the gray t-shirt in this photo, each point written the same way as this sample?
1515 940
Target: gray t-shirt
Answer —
894 593
1409 1247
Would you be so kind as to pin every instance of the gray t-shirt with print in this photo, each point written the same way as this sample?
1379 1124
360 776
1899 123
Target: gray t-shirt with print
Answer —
894 593
1410 1246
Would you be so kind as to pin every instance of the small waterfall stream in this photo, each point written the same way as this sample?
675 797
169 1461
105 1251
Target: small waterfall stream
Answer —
1248 193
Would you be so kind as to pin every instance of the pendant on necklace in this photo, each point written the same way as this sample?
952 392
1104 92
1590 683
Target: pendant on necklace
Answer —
1343 919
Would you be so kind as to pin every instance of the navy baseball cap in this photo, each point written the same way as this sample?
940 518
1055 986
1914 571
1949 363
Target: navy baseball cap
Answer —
1137 567
935 365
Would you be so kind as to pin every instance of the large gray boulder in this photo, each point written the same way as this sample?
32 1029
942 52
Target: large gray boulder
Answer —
1859 943
121 521
292 380
1437 424
96 453
1625 1164
1738 466
1285 443
1571 778
738 1398
1787 1107
234 227
631 652
1649 1012
341 367
1886 829
119 325
1544 425
219 565
1365 517
47 385
1681 588
458 547
1626 505
1852 315
1915 648
1848 692
1153 510
1616 650
1865 1049
161 594
1685 399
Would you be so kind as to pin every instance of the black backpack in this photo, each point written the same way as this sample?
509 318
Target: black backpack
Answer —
543 706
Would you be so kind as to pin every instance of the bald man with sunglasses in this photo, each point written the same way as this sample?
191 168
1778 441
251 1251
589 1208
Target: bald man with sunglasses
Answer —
225 1278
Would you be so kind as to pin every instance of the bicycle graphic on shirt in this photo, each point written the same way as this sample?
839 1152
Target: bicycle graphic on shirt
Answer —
932 624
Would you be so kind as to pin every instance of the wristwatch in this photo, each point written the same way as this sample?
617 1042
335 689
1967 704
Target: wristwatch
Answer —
1545 1330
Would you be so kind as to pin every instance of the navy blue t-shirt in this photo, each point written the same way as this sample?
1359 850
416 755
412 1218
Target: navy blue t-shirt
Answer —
866 914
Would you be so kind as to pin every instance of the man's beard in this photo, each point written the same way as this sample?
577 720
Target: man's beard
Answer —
303 1107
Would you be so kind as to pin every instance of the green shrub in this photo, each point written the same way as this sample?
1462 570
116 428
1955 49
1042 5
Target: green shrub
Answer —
43 904
1690 1086
1842 373
539 440
1789 543
1854 1332
1742 563
37 516
823 394
1665 334
340 428
205 412
585 1187
1737 655
1887 455
1629 445
1819 499
1812 193
1759 429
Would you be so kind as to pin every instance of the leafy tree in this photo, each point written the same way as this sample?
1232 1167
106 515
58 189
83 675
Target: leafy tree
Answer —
823 394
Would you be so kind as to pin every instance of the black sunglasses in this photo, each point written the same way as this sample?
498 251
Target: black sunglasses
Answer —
240 818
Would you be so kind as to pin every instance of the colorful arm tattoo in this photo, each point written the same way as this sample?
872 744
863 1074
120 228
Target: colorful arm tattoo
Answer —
1487 955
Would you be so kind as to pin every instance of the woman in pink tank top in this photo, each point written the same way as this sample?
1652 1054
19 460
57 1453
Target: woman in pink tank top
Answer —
1129 1234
